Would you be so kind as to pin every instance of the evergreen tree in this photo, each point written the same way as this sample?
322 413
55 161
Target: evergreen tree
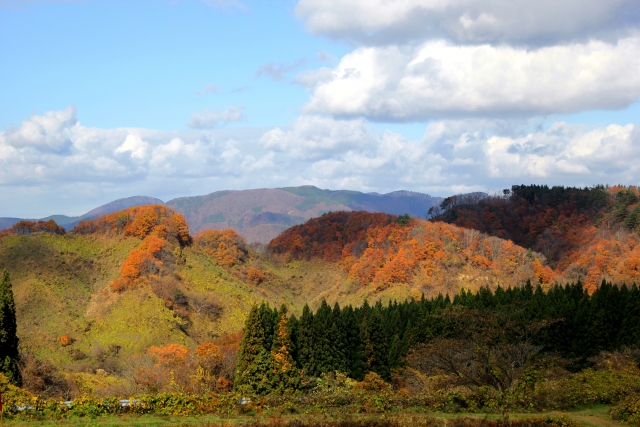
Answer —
354 349
304 343
8 331
252 349
286 378
322 343
630 328
376 349
258 377
338 341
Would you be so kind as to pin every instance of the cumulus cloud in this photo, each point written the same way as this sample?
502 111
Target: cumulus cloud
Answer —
535 23
135 146
437 79
453 156
106 155
208 119
278 71
312 137
50 131
567 150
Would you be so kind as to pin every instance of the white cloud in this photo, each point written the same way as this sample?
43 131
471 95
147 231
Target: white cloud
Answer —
535 23
50 131
208 119
134 145
437 79
312 137
453 156
569 151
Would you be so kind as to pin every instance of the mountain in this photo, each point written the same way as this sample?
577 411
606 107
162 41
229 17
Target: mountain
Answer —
586 234
8 222
101 295
260 215
121 204
106 293
71 221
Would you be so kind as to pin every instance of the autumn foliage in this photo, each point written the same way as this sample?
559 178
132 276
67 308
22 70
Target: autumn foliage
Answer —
65 340
587 235
170 354
140 221
189 370
227 247
230 251
379 250
162 231
28 227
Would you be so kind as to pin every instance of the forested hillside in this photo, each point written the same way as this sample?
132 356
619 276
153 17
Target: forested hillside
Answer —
586 234
381 251
508 326
132 301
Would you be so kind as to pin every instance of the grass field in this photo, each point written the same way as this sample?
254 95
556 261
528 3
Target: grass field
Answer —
595 416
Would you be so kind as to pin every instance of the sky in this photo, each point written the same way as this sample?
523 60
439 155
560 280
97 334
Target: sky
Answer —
167 98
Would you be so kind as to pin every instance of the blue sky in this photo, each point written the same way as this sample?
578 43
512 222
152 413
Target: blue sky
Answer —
108 99
147 63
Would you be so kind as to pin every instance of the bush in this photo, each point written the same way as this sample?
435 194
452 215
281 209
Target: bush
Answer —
628 410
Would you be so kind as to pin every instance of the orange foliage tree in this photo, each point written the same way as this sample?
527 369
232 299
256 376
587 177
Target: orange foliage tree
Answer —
170 354
28 227
159 228
140 221
589 235
378 249
227 247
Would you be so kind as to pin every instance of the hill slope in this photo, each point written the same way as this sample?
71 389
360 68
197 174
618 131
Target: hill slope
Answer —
107 291
260 215
587 234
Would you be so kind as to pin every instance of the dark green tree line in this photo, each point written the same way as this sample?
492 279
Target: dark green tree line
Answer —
8 331
358 340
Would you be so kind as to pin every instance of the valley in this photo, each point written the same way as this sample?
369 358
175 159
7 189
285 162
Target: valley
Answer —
134 301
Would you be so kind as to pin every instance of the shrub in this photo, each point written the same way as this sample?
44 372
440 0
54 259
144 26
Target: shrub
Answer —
628 410
65 340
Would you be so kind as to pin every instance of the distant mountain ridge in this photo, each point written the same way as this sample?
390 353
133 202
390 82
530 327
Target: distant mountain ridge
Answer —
259 215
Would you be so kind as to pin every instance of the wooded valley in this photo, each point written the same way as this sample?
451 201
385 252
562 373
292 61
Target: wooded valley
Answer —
527 299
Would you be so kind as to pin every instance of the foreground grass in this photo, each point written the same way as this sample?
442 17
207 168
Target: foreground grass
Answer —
594 416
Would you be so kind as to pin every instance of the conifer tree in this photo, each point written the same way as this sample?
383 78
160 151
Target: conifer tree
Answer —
354 349
286 378
322 343
338 341
251 351
376 350
304 344
8 331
